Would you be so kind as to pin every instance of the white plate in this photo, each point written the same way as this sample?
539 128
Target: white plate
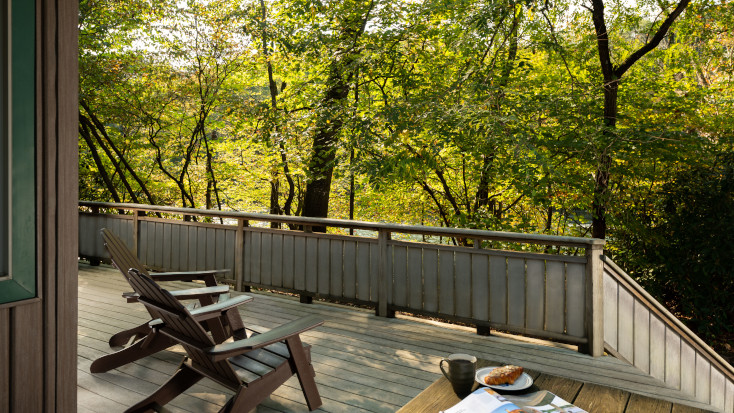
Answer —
522 382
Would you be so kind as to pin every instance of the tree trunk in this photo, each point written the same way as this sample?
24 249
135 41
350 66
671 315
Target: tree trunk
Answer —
329 121
612 75
601 178
321 164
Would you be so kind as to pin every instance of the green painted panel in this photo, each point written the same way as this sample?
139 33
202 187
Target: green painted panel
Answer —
4 171
22 285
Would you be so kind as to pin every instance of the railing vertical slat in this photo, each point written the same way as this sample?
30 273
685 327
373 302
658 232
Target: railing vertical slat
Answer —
625 324
312 261
299 260
230 242
498 290
255 259
688 365
462 290
535 305
399 276
516 292
201 248
350 270
276 259
672 359
480 286
375 265
718 389
336 271
363 271
555 290
220 248
135 247
176 241
729 402
430 280
575 299
415 277
642 338
657 348
323 255
266 251
288 261
158 243
703 379
446 301
167 241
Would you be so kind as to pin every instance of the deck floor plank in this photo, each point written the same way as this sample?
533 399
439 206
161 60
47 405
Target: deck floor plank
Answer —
363 363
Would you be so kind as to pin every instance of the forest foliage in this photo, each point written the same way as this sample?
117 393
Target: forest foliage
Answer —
606 118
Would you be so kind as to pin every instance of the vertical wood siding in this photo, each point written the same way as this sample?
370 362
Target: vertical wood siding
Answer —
38 337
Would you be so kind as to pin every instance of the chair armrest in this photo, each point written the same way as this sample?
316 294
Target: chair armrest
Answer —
216 310
205 275
280 333
194 293
190 294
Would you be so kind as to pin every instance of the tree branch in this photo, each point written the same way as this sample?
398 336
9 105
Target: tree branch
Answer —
654 42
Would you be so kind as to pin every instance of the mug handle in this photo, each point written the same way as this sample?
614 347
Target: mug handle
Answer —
440 365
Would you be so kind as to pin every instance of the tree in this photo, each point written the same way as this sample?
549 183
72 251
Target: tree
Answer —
612 76
349 24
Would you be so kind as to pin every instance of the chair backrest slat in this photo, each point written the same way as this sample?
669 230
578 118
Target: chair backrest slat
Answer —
180 323
121 256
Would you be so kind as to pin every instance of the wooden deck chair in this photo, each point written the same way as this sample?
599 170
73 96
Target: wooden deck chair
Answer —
229 324
253 368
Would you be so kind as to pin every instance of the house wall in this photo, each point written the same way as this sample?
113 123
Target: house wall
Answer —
38 336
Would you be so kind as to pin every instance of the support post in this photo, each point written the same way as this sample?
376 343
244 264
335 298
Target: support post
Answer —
384 275
594 301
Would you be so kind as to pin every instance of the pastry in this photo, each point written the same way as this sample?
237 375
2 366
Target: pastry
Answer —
503 375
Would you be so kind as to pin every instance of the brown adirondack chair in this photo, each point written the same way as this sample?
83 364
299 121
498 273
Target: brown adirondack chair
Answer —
223 320
253 368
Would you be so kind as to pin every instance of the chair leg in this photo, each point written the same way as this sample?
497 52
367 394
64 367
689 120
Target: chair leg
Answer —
184 378
123 337
304 371
136 351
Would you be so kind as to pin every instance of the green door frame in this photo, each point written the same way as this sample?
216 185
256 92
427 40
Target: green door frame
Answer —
19 135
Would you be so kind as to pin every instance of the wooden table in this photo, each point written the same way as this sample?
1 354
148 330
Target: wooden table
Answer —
590 397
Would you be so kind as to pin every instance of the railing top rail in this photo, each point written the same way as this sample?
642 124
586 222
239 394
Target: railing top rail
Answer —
370 226
669 318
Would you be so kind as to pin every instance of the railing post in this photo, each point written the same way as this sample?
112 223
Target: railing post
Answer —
594 301
384 276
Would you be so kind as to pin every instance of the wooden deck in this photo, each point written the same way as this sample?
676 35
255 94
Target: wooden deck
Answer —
363 363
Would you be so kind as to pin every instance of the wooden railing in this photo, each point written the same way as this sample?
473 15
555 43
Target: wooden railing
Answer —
552 296
637 328
580 298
